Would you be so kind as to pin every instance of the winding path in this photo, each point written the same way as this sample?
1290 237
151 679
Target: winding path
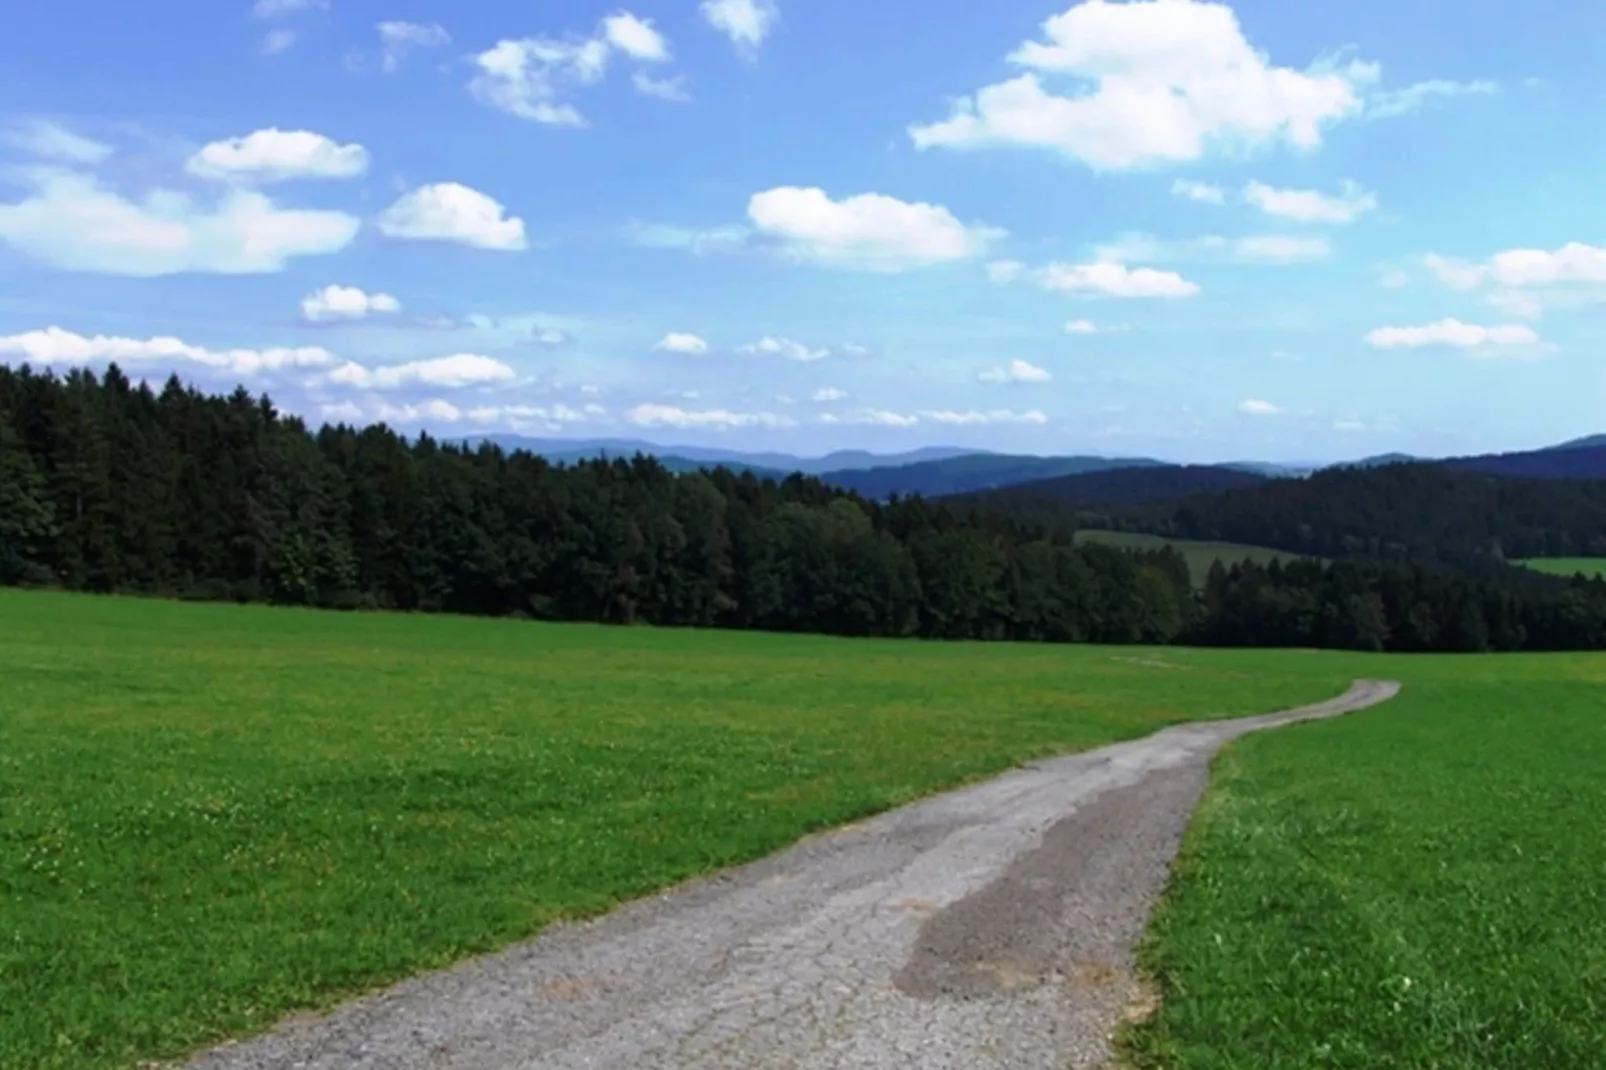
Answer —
989 927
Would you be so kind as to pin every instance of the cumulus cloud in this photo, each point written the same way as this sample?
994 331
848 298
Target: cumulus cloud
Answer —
1113 279
1081 327
457 370
885 418
1453 333
532 77
870 231
335 302
54 345
1311 206
275 155
681 342
1257 407
397 39
1147 82
654 415
746 22
435 410
449 211
784 347
1203 192
635 37
1281 248
1016 371
827 394
73 222
1524 281
52 141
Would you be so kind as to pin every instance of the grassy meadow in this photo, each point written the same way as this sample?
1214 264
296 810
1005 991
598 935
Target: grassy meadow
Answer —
1567 566
1199 554
1421 885
212 815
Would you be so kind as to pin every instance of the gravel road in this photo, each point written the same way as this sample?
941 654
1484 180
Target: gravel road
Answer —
989 927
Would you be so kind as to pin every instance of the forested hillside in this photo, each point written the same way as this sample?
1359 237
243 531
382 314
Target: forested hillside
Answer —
110 486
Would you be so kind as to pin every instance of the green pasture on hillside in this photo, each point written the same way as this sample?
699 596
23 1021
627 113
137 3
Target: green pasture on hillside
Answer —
1567 566
213 815
1200 555
1418 885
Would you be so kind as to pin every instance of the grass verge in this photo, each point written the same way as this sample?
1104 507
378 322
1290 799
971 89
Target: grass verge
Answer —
1421 885
1567 566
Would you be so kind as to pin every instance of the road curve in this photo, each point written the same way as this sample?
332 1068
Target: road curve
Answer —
989 927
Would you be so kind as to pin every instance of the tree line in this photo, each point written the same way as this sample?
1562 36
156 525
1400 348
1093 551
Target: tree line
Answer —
108 485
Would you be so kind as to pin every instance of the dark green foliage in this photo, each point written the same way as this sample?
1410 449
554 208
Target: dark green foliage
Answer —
107 486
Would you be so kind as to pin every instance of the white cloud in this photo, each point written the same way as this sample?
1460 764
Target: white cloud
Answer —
1002 271
853 349
1115 280
869 231
521 416
1527 280
74 223
1386 104
52 141
670 89
273 9
785 347
1081 327
653 415
275 155
994 416
1348 425
746 22
1281 248
448 211
827 394
397 39
1203 192
1256 407
884 418
1016 371
681 342
1453 333
529 77
1394 279
335 302
551 337
457 370
1156 81
635 37
53 345
1311 206
277 41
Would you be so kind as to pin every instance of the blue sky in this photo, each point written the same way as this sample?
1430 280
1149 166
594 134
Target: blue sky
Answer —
1165 227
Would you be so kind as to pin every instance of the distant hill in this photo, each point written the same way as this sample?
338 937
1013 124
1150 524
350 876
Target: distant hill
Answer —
1582 443
569 450
1379 461
1567 461
1120 487
978 471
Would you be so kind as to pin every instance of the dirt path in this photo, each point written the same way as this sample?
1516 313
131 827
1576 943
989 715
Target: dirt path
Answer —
990 927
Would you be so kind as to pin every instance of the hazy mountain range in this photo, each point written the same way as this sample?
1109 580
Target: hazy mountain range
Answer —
936 471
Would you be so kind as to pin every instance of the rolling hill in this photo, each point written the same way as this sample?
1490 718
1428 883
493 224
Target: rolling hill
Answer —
974 472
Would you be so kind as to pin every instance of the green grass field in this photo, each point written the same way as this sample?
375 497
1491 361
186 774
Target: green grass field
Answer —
1423 885
1199 555
212 815
1567 566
